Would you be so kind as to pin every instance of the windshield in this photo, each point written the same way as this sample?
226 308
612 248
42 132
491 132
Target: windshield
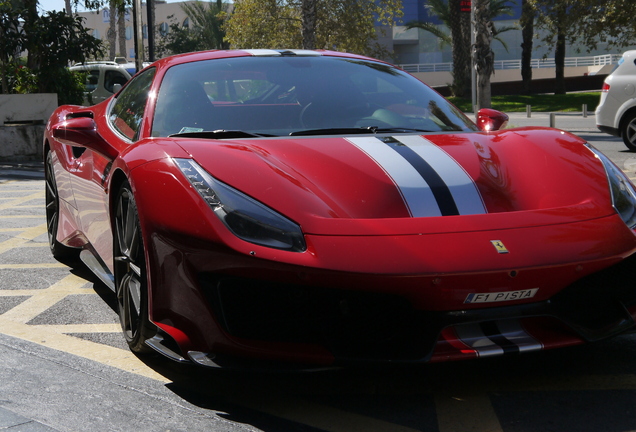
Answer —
285 95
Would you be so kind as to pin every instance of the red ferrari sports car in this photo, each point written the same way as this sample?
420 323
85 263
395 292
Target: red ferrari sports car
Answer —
322 208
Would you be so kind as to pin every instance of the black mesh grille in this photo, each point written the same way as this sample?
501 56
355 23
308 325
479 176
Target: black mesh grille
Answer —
350 324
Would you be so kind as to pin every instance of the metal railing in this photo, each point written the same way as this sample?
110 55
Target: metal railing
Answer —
599 60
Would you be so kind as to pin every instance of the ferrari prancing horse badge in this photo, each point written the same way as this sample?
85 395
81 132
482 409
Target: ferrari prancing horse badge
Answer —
498 244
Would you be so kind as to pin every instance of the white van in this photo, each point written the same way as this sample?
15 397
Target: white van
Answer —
103 79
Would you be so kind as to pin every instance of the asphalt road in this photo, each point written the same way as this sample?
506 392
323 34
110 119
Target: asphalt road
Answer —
65 367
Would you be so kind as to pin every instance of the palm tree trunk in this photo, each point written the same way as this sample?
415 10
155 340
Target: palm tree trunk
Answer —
559 63
466 58
460 61
121 26
527 34
112 31
484 56
309 24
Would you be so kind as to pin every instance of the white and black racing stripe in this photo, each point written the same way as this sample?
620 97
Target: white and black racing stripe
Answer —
431 182
497 337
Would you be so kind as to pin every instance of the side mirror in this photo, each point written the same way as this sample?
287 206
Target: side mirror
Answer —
116 88
491 120
82 132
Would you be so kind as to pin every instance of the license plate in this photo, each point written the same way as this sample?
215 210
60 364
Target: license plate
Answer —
500 296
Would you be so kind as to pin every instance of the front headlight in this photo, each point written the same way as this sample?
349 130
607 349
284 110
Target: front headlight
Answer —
245 217
622 190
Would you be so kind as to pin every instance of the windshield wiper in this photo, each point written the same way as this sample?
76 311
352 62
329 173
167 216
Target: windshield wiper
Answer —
220 134
351 131
335 131
400 129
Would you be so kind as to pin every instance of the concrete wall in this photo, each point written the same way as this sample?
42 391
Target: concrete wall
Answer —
435 79
27 108
22 121
21 142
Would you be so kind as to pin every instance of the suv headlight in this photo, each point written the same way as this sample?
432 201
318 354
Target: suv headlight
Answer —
621 188
245 217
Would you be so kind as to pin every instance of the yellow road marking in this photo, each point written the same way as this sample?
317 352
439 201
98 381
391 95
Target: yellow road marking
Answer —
27 235
21 200
33 292
82 328
104 354
573 383
21 217
20 182
45 298
473 412
32 266
35 244
318 416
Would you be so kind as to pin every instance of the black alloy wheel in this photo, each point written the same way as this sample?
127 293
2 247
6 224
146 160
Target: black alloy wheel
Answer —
52 203
628 131
130 273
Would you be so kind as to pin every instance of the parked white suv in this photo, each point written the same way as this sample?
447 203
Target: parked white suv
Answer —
103 79
616 112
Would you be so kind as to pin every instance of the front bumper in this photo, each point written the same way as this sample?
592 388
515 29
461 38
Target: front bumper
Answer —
609 130
364 327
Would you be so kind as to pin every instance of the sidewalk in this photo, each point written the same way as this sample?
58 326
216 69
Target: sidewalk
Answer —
16 423
571 122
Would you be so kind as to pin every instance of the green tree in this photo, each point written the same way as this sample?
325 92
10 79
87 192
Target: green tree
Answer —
205 30
178 40
60 39
343 25
610 21
588 22
53 41
13 40
207 21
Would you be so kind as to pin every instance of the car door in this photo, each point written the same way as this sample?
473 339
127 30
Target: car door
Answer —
121 123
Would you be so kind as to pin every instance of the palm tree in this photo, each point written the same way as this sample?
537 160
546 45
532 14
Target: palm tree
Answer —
448 12
527 32
208 21
112 30
483 56
121 28
309 24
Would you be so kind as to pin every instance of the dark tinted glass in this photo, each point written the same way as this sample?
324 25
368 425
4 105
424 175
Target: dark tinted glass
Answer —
128 110
282 95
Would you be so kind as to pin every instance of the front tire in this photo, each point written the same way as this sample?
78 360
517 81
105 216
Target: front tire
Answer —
130 273
628 130
52 203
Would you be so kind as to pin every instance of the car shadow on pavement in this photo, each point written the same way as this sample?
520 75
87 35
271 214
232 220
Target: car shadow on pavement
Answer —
413 397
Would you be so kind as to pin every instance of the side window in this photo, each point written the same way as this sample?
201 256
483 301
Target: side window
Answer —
113 77
128 109
92 79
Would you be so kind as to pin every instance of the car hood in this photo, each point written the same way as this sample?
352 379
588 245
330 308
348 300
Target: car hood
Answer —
323 183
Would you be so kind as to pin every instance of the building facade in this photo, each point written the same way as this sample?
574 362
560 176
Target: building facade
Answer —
413 46
165 14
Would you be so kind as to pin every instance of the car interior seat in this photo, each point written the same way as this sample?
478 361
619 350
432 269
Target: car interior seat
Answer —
185 106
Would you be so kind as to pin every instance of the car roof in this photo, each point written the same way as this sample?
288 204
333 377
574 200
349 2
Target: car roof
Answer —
216 54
